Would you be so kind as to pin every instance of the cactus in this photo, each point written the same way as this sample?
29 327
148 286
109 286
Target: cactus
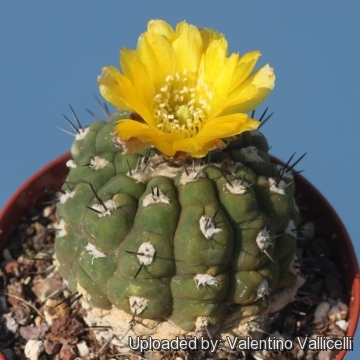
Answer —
176 241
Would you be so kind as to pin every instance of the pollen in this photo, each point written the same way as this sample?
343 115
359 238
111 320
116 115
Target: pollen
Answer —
183 103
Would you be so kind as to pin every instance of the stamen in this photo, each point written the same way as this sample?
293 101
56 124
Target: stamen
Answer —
181 108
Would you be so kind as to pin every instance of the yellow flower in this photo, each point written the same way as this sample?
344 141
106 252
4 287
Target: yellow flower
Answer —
184 90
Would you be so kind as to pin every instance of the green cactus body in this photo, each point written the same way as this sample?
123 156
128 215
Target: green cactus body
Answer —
190 244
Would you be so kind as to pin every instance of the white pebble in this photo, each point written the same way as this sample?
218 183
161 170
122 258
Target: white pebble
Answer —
342 324
334 313
47 211
339 311
321 312
33 349
11 323
83 349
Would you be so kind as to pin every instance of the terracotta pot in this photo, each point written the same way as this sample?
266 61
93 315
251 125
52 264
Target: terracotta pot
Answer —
326 219
33 191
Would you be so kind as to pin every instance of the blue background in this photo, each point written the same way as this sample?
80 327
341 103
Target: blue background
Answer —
52 51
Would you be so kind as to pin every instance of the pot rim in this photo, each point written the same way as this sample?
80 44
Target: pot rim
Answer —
22 199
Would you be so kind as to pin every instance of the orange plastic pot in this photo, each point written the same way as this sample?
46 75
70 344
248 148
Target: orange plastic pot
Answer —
33 191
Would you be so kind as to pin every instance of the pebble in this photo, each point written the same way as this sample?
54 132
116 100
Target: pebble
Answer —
48 211
38 321
34 332
16 290
46 287
12 268
339 311
22 313
342 324
68 352
307 231
52 348
33 349
7 255
11 323
51 311
83 349
321 312
27 280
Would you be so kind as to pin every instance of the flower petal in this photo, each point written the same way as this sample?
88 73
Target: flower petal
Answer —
218 128
127 129
228 125
244 98
222 83
160 27
131 146
187 45
211 145
112 85
243 69
184 112
158 57
134 69
208 36
213 60
119 91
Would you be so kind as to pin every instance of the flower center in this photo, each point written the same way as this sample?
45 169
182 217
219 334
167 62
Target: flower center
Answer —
182 104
